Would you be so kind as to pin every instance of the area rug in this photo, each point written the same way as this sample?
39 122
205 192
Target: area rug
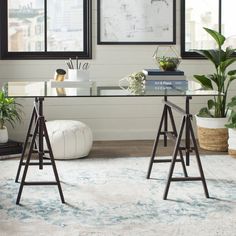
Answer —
112 197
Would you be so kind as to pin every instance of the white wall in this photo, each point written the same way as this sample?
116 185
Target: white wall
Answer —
109 118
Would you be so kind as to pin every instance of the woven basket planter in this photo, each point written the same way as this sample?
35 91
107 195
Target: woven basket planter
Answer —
232 142
212 134
232 152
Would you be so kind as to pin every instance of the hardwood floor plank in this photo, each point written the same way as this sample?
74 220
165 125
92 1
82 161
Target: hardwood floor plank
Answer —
135 148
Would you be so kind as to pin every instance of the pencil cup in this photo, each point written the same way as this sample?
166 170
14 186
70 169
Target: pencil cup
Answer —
78 75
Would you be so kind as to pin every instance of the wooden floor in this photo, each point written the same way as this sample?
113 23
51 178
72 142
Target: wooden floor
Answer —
141 148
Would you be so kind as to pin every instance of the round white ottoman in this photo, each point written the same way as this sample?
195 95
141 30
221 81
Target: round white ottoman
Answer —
69 139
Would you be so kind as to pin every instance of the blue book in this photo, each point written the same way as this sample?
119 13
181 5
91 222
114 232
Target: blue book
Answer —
161 72
167 87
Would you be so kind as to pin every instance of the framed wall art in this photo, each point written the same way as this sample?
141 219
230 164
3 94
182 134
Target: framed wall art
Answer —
136 21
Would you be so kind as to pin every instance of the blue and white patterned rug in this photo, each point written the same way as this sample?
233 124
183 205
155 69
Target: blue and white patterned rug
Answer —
113 197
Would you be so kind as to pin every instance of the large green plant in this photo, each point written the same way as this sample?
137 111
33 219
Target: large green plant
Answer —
232 118
9 110
221 79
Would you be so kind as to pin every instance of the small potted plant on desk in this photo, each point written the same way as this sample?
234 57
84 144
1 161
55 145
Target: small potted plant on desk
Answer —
167 58
231 125
168 63
211 120
9 112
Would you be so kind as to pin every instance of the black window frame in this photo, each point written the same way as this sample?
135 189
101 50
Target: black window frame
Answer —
85 54
187 54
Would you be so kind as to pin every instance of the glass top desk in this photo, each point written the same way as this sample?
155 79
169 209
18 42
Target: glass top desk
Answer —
37 130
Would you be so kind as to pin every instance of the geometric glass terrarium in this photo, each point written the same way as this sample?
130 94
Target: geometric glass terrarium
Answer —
167 58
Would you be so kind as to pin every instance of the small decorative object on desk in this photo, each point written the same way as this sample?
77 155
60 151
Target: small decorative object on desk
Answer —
78 76
134 83
167 58
78 71
59 75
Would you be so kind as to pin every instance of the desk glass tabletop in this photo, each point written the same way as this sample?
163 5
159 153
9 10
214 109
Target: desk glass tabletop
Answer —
92 89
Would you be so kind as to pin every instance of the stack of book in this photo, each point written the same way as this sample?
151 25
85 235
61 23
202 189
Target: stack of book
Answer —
161 80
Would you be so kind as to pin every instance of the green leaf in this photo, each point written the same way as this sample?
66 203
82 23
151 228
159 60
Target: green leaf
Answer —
219 38
210 104
1 96
230 126
213 55
229 51
232 104
232 78
233 118
204 112
232 72
215 78
227 63
205 82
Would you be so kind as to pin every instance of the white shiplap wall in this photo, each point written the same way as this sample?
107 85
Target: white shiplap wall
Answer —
109 118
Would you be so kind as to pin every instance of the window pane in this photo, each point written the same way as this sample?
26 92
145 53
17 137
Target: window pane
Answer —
199 14
228 22
65 25
25 25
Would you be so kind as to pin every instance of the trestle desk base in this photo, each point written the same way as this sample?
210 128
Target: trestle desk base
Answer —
37 132
189 146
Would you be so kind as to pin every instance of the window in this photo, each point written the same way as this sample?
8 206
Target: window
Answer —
215 14
45 29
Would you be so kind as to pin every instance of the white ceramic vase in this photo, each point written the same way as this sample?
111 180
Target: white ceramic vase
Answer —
3 135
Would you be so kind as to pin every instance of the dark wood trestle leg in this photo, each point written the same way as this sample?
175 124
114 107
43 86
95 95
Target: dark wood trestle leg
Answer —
188 147
37 132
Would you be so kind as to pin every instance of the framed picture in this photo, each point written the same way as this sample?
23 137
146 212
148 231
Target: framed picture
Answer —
136 21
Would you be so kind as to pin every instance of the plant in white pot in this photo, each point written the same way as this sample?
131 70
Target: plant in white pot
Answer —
9 112
231 125
211 120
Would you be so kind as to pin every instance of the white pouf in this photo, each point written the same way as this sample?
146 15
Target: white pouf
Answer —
69 139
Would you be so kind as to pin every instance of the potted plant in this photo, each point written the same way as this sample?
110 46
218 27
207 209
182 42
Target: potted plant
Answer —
168 63
9 112
211 120
231 125
167 57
